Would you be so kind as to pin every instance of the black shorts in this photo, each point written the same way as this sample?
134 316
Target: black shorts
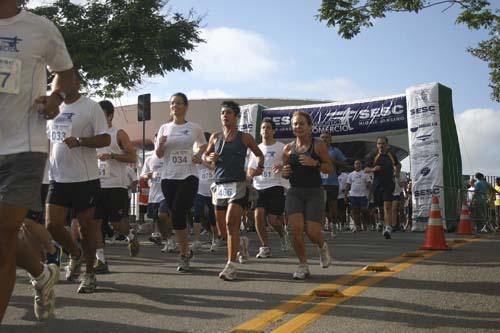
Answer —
155 208
332 192
112 204
272 199
79 196
383 193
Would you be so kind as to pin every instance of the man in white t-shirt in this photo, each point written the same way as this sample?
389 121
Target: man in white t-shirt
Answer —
269 185
358 186
29 44
75 134
112 201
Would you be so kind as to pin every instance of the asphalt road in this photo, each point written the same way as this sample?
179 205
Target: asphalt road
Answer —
450 291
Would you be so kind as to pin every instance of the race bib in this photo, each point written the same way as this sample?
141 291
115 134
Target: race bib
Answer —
206 175
268 174
225 191
104 170
59 132
180 157
324 175
10 75
156 178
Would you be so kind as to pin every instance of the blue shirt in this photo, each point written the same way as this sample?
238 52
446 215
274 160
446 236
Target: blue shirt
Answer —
332 178
481 190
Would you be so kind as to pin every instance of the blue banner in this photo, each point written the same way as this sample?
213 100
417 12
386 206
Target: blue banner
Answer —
344 119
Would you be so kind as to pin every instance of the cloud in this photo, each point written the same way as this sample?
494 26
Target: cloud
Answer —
479 137
338 89
233 55
210 93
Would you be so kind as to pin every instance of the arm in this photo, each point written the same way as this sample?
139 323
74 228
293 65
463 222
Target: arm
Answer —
160 144
325 163
249 141
96 141
129 156
287 169
210 157
50 104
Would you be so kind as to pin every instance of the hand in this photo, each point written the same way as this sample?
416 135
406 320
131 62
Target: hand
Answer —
258 171
196 159
48 106
72 142
368 170
277 168
307 161
104 156
213 157
287 171
163 140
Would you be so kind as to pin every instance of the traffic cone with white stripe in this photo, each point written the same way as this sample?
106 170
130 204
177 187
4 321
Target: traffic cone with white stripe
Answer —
465 225
434 236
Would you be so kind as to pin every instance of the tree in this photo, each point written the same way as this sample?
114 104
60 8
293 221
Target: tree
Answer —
116 43
350 16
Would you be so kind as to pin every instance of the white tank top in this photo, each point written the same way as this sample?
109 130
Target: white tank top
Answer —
112 173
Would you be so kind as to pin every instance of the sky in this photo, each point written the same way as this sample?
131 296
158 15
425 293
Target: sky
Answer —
277 48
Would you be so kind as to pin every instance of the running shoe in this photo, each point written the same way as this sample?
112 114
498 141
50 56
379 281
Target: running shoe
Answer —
101 267
196 247
155 238
387 233
74 267
183 266
379 227
242 259
133 244
45 299
302 272
55 258
229 272
169 246
325 259
264 252
88 283
286 244
216 243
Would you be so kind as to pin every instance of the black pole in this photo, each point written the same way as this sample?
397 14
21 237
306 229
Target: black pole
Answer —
143 141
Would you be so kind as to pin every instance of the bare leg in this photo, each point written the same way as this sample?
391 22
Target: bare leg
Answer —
233 218
296 223
260 225
88 230
56 220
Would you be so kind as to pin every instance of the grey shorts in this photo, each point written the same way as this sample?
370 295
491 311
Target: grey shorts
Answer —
308 201
239 194
21 178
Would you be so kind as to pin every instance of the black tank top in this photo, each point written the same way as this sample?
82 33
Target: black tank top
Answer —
230 166
304 176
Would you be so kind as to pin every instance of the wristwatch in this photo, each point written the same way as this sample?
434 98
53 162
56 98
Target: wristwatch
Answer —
318 165
79 142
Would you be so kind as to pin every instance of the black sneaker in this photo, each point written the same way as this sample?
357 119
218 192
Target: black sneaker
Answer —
387 233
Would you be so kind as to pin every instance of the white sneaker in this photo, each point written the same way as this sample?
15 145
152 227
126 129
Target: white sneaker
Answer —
325 259
242 259
216 243
88 283
183 266
74 268
196 247
302 272
286 244
244 243
170 246
45 299
264 252
387 233
228 273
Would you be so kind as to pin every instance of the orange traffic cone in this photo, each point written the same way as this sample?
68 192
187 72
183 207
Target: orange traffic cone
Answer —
434 236
465 225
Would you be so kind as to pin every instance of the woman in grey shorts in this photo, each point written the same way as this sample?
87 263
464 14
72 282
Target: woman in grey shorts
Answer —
303 160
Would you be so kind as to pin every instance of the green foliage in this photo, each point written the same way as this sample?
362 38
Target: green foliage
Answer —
350 16
116 43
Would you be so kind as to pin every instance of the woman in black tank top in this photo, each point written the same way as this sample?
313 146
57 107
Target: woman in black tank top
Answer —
304 159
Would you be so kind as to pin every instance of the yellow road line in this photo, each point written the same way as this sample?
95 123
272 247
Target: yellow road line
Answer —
299 322
270 316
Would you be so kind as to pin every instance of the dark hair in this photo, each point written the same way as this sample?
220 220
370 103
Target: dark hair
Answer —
181 95
207 136
303 114
383 138
270 122
107 107
479 175
232 105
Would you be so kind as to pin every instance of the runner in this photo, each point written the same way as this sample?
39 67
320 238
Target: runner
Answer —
23 148
157 206
112 201
75 133
227 151
357 191
269 185
303 160
179 178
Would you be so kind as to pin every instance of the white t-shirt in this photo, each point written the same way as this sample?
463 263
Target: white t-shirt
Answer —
154 165
206 177
83 118
273 155
28 45
397 187
112 173
342 181
359 184
179 149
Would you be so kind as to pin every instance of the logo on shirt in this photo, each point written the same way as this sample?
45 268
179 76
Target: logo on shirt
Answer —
184 132
64 117
9 44
425 171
